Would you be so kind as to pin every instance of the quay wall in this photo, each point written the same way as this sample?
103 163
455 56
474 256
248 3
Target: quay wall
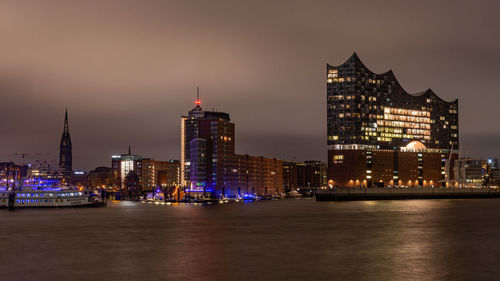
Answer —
350 194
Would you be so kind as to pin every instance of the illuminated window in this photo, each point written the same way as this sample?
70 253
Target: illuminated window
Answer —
126 166
338 159
332 73
416 124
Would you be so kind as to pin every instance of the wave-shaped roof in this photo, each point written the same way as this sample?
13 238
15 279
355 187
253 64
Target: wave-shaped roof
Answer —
389 75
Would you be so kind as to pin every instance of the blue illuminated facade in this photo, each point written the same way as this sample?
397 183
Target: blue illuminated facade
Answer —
207 148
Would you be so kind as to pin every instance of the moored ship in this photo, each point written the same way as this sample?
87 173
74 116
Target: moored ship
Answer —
49 197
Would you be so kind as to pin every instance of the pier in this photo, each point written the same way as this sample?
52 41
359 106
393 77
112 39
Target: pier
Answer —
353 194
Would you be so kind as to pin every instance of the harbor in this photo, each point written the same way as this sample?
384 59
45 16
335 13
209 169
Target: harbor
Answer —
131 240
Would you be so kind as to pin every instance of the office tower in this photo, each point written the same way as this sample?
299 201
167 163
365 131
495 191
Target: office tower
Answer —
189 131
210 166
207 138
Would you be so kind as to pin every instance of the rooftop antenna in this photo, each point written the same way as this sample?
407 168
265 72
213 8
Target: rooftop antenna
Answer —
129 150
198 102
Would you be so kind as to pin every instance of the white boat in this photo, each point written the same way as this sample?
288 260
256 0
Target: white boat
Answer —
50 197
293 194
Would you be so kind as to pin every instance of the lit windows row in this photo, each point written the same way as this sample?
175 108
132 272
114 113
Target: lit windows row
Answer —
352 97
339 80
401 111
390 130
374 81
401 124
400 131
348 114
384 139
50 194
392 135
405 136
368 129
342 106
418 132
407 118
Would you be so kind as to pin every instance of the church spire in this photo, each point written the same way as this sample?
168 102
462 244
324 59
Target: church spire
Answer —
66 125
65 155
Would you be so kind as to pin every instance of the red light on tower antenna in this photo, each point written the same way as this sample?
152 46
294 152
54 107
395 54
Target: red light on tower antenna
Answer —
198 101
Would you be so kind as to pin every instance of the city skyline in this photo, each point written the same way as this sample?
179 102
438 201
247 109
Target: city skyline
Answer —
249 140
125 79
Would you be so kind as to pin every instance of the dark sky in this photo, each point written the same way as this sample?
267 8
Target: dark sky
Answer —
127 70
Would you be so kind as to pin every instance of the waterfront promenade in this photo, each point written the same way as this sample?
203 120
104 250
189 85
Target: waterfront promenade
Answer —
396 193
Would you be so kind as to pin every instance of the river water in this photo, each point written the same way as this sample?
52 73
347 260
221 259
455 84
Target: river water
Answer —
292 239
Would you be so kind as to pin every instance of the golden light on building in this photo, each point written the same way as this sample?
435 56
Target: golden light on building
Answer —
183 150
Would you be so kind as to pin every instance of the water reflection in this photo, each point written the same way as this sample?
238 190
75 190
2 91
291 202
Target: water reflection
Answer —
280 240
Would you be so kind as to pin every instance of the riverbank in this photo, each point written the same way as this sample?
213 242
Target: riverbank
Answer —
351 194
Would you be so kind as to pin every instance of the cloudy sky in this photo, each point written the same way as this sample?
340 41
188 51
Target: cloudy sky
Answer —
127 70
